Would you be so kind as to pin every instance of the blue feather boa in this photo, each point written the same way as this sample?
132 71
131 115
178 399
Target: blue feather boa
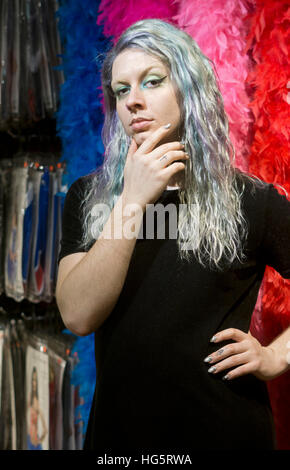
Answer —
80 115
83 376
79 124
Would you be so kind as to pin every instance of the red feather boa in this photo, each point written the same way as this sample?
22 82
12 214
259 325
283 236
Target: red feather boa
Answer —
268 43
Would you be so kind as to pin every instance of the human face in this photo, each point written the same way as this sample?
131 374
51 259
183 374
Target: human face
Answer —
143 89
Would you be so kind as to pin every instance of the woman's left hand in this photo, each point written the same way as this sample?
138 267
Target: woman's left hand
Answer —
245 356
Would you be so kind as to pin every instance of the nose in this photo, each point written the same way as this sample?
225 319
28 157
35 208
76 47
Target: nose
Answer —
135 98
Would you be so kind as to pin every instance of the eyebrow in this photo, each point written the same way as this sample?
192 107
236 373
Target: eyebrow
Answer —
142 75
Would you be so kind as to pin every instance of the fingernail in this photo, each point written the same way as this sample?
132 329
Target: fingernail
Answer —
213 339
212 369
226 377
167 126
208 359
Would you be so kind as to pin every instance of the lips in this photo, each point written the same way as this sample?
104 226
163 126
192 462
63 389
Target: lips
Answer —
140 118
140 123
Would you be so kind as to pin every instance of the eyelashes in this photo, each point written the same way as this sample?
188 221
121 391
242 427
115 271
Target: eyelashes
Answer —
158 81
123 91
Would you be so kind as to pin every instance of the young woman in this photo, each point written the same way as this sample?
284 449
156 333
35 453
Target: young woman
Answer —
165 308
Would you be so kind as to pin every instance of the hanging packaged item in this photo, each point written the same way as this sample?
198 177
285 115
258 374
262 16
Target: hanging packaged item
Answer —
16 63
14 234
8 423
30 50
50 238
6 178
4 89
40 179
16 349
61 392
57 367
45 70
23 75
33 196
28 230
2 200
37 395
42 398
69 409
59 351
1 362
59 203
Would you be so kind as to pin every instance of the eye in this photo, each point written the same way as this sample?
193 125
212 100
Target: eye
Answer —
154 81
120 92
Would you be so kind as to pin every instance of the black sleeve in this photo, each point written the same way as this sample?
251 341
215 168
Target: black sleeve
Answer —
71 241
275 245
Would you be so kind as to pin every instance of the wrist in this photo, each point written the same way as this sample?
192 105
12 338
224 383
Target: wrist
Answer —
125 220
278 362
130 202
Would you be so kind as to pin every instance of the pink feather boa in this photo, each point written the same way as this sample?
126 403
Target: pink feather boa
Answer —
117 16
220 28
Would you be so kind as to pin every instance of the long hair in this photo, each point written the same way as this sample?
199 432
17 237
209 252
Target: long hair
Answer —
212 226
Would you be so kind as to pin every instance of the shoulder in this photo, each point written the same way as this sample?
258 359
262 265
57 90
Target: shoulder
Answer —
258 197
81 184
78 189
266 210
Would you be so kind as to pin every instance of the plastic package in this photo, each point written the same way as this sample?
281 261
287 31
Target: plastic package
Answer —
14 234
15 69
37 395
40 179
32 197
50 238
4 109
43 391
57 367
30 61
2 225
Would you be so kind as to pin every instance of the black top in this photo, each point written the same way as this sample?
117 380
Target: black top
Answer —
153 388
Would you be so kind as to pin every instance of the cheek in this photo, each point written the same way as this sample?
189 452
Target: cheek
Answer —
173 108
122 111
167 107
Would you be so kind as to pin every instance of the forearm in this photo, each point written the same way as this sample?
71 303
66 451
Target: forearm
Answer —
89 292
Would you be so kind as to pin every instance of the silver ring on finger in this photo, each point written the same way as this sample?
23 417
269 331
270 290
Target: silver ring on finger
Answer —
164 157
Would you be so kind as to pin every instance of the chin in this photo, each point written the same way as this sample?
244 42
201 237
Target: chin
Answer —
141 137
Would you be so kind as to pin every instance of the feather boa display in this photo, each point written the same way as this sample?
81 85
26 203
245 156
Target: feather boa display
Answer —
224 30
219 27
80 116
83 376
268 43
79 123
117 16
